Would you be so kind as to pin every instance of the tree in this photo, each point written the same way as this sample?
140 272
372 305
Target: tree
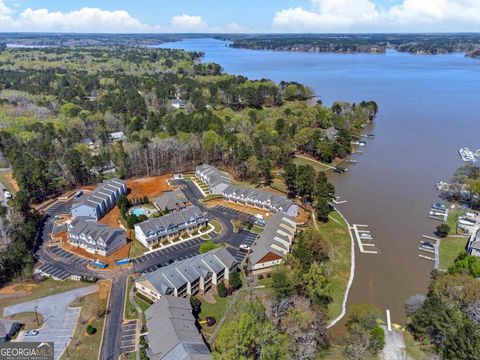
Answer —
207 246
91 330
443 230
267 171
235 280
322 209
222 290
282 286
291 177
305 181
317 285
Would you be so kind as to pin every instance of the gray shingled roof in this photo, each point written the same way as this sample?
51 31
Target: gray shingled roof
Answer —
213 175
172 333
104 236
275 237
271 200
171 200
98 195
177 274
172 220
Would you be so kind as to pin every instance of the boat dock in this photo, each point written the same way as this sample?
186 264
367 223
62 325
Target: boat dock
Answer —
431 246
439 212
363 238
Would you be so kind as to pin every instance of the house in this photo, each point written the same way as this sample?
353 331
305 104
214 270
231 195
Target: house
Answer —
8 329
467 223
216 180
100 201
188 277
331 133
179 104
170 201
117 136
107 168
260 199
172 331
272 244
473 246
95 238
154 231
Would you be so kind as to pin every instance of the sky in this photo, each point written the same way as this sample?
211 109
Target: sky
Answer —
239 16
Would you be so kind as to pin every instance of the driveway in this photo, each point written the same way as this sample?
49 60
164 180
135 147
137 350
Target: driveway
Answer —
59 320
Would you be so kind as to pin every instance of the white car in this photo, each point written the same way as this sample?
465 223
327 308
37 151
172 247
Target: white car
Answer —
7 194
31 333
245 247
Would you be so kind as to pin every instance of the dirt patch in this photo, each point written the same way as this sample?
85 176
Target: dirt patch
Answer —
150 186
303 216
208 297
16 290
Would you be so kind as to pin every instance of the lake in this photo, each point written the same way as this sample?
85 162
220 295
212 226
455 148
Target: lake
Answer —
429 108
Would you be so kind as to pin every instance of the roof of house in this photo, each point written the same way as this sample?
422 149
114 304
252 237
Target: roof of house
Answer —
266 198
213 175
474 241
177 274
104 236
172 333
117 135
172 220
6 326
99 194
276 237
171 200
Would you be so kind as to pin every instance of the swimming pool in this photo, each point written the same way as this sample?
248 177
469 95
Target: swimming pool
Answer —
138 211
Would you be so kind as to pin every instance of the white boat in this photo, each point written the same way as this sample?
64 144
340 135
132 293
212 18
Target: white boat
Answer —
467 155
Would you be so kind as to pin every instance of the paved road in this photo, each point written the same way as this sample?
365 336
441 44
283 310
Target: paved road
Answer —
61 262
59 320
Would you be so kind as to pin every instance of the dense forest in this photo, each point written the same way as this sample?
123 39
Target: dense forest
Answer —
368 43
448 318
59 105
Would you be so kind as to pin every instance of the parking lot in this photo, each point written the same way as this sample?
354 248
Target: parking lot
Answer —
248 240
236 213
53 271
59 319
58 207
129 331
68 255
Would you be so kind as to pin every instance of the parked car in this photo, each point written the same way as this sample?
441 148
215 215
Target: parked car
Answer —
7 194
245 247
31 333
78 193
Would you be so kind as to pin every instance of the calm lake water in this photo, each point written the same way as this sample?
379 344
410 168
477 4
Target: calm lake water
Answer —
429 108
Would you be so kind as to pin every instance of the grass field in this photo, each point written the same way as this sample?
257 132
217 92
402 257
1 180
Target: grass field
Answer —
30 291
84 346
137 249
450 248
337 234
217 227
453 216
214 310
28 319
129 312
413 349
317 166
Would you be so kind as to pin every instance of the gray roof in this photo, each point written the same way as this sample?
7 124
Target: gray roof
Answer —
177 274
474 241
103 236
99 194
6 326
171 200
172 333
175 219
276 237
273 201
213 175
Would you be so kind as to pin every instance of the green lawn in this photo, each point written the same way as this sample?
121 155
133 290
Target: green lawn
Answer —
453 216
413 348
450 248
214 310
316 166
44 288
338 236
137 249
205 237
217 227
129 312
256 229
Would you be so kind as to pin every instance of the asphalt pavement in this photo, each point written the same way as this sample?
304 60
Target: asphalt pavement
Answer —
60 320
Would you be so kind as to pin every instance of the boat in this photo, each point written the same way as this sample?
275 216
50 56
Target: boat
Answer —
351 161
467 155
